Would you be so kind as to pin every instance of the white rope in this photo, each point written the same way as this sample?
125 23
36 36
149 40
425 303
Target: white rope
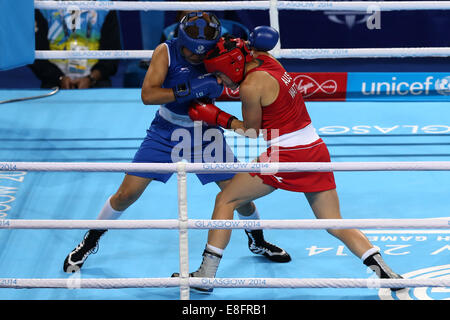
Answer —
75 282
274 23
361 53
183 233
154 5
88 224
439 223
273 6
248 5
337 53
268 168
363 5
316 283
93 54
116 283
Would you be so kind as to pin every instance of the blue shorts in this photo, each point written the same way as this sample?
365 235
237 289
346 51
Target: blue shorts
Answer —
158 147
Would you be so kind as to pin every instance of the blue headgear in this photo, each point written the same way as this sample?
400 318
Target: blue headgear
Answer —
198 45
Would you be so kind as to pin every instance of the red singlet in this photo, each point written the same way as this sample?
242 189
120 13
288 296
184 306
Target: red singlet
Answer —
292 138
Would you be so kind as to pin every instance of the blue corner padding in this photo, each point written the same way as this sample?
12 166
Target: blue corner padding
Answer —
17 44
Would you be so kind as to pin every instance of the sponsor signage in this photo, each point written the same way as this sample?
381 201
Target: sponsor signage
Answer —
366 86
321 85
314 86
406 86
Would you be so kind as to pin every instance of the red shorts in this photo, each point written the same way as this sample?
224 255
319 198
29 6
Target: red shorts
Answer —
299 181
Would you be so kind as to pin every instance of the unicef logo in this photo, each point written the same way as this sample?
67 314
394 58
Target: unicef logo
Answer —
421 293
442 86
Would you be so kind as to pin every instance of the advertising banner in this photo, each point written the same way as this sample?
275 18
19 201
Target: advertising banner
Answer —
314 86
401 86
367 86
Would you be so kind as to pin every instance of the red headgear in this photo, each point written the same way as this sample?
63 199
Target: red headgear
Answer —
229 57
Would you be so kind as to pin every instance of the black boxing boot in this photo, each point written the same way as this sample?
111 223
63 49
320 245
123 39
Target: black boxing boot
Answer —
376 263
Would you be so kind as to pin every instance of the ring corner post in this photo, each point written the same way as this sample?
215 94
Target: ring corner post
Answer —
274 23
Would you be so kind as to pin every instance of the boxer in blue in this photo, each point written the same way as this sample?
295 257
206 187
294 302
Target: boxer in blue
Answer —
175 77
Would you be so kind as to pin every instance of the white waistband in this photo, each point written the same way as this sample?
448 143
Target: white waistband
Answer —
304 136
175 118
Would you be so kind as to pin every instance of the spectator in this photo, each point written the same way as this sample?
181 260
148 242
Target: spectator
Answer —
76 30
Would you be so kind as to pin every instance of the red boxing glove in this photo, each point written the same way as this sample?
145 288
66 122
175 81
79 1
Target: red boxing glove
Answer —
210 114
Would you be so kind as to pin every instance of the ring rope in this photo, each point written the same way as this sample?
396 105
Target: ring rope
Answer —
248 5
273 6
235 167
325 53
116 283
438 223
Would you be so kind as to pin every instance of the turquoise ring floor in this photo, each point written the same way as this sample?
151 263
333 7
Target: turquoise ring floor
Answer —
108 125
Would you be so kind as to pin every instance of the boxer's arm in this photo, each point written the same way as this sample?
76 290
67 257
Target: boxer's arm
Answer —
250 92
152 91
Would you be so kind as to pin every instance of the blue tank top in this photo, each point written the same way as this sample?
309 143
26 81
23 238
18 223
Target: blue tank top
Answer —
179 71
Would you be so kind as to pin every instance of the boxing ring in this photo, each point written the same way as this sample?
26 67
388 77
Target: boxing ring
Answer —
60 162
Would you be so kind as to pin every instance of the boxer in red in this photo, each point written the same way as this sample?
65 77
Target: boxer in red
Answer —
272 104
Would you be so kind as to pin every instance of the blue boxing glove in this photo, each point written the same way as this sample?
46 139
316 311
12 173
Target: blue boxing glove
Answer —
200 87
263 38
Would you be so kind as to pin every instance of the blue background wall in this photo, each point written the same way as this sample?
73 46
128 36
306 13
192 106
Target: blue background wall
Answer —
298 29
